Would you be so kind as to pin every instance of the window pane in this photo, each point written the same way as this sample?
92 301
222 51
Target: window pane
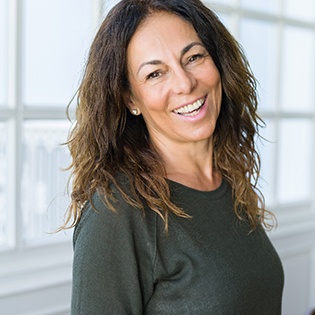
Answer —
295 160
302 9
297 77
260 44
261 5
266 147
56 40
3 49
44 198
3 187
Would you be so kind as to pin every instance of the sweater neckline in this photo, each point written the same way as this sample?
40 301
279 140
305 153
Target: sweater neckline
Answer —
211 194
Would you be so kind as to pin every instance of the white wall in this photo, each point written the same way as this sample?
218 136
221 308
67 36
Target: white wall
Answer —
295 243
37 281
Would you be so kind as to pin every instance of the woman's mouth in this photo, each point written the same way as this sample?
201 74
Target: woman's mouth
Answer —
190 109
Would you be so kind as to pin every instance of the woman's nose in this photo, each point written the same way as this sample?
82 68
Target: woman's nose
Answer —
183 81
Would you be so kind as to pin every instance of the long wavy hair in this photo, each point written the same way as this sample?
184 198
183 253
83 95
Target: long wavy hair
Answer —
107 142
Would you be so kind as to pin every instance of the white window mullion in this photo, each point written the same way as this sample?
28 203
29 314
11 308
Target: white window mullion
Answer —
14 123
276 118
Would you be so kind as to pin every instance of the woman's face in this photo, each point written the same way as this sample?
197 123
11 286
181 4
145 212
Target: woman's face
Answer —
174 81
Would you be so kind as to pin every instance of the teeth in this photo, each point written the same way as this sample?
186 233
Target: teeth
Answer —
189 108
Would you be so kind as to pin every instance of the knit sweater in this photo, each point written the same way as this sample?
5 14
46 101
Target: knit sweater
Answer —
125 262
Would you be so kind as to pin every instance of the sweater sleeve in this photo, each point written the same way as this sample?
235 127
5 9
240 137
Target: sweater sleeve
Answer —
112 267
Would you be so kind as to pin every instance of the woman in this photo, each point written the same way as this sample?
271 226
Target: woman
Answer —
167 216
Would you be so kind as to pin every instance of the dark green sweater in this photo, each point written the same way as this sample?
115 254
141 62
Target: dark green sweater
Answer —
125 264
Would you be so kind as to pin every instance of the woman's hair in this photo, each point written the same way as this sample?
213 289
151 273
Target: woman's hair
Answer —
107 142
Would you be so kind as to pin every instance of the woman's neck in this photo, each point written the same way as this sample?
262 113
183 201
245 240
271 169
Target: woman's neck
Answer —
191 165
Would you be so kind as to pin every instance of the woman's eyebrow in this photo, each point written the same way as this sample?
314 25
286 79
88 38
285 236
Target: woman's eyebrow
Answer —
158 62
188 47
151 62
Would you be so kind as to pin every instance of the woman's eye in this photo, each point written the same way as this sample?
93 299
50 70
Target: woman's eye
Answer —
196 57
153 75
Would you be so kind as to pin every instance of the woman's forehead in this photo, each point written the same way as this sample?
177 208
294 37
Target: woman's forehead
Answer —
160 28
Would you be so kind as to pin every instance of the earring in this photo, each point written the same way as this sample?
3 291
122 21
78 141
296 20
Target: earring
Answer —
134 112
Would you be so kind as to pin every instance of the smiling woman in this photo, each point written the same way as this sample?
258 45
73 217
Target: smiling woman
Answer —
167 216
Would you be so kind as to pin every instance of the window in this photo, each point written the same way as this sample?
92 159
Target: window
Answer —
43 46
278 38
42 56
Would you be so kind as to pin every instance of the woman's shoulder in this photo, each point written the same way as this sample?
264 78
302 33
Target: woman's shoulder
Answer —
118 217
110 203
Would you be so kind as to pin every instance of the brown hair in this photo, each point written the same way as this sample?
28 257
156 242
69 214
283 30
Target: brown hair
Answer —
108 141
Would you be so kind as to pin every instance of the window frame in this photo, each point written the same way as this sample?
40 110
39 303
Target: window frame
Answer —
29 267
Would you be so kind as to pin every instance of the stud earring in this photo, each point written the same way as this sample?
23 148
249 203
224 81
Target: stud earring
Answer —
134 112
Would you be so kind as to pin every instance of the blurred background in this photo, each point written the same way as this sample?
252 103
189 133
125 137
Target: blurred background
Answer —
43 48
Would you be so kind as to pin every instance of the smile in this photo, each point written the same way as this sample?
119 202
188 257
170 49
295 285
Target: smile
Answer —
190 109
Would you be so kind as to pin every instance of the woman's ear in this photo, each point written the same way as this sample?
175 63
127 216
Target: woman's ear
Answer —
134 110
